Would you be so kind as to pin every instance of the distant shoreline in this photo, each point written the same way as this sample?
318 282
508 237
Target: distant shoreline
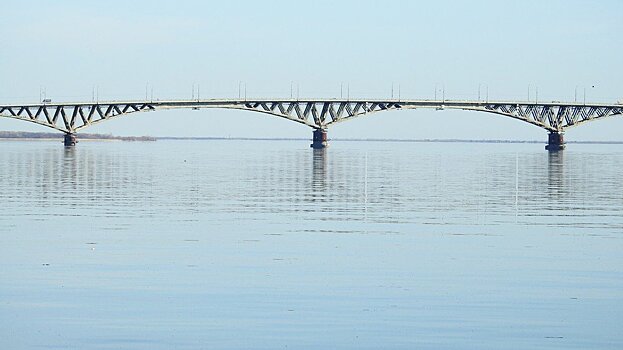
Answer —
41 136
46 136
173 138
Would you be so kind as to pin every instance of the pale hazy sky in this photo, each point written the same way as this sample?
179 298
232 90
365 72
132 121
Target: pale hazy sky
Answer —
69 47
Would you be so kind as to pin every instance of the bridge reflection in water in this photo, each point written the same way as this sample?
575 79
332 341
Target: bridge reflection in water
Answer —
353 183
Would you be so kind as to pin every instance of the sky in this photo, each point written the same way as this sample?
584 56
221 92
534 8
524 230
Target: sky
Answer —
123 48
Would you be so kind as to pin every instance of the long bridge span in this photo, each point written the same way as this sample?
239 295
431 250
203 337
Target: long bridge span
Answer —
319 114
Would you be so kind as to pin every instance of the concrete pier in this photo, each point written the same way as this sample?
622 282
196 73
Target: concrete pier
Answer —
70 140
319 140
555 141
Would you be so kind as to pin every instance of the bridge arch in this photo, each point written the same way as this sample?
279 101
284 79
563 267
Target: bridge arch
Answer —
38 122
398 106
98 121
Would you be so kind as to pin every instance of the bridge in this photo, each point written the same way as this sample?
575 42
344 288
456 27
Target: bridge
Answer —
70 118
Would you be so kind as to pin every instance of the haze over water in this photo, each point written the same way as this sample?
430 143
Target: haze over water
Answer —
269 244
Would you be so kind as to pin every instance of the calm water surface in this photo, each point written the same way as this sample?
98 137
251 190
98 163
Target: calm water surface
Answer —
268 245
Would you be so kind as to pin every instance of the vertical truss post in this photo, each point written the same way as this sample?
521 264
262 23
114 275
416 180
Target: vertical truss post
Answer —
555 141
70 140
319 140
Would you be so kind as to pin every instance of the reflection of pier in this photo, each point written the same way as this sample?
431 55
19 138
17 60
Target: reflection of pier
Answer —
555 173
319 169
69 171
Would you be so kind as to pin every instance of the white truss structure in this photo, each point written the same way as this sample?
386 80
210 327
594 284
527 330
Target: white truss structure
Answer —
318 114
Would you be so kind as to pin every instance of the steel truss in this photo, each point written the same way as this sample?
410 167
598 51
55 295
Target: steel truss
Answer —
318 114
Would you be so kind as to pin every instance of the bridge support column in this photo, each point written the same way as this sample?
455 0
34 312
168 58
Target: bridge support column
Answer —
70 140
555 141
319 140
